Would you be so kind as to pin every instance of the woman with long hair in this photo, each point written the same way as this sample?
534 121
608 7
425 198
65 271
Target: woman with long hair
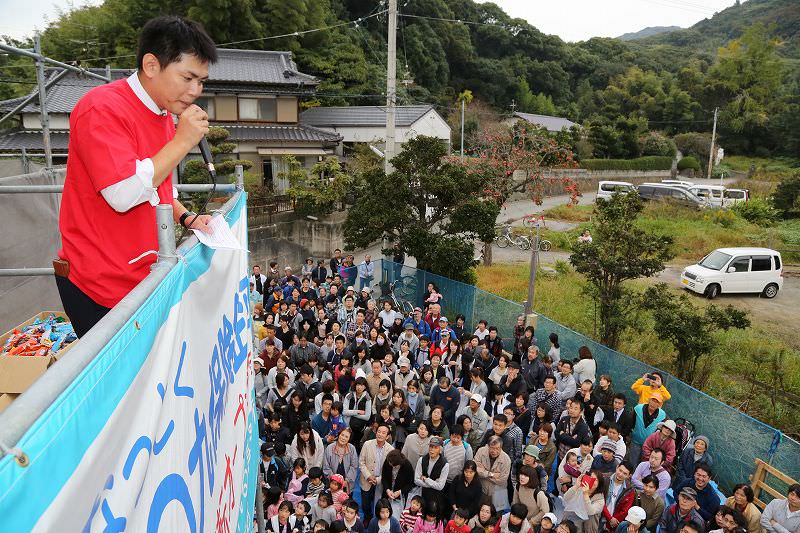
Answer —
555 349
358 408
465 490
295 412
532 495
307 444
341 458
401 414
416 404
593 494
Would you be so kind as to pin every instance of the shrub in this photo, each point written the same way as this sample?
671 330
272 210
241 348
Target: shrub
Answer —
689 162
695 144
787 195
641 163
562 267
655 143
724 218
757 211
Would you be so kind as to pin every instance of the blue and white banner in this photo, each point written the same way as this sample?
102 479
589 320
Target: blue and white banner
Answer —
158 433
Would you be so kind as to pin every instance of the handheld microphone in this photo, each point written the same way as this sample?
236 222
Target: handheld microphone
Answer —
205 151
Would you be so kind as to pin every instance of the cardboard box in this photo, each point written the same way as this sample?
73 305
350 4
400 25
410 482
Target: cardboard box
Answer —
17 373
6 399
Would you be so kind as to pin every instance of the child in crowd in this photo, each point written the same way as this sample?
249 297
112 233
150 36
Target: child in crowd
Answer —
272 501
296 491
459 522
571 472
283 522
337 420
323 508
315 483
606 462
350 517
548 524
485 519
410 514
320 525
338 494
429 522
302 521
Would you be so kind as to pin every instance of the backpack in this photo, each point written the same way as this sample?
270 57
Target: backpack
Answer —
684 432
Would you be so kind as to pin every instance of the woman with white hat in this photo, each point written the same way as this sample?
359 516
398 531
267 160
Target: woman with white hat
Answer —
663 438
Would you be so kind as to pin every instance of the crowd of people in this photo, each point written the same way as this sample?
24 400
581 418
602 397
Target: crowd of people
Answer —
375 421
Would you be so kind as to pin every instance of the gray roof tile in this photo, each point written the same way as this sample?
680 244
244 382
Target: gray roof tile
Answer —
546 121
362 115
31 140
258 66
251 71
302 133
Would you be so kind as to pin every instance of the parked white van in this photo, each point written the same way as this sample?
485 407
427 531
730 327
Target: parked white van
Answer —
736 270
713 194
678 183
605 189
736 196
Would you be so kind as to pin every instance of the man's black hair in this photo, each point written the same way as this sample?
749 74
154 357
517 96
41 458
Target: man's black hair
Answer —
168 37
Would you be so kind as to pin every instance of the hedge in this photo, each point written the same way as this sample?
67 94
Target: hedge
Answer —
689 162
653 162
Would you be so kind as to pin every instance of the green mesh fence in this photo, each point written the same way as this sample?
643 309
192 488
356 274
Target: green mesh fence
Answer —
736 438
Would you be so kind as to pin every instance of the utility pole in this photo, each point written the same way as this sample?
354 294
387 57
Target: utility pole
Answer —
713 139
45 119
463 105
534 268
391 85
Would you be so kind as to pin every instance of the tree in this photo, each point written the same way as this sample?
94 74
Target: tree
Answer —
429 207
318 191
787 196
222 153
689 329
516 160
620 251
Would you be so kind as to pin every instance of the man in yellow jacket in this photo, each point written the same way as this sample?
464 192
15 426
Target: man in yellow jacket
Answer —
649 384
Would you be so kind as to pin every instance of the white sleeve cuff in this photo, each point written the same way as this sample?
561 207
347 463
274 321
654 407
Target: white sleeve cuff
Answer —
134 190
174 193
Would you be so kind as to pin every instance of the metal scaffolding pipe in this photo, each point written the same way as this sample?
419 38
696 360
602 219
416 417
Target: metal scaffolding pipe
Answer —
10 272
191 187
32 404
39 57
55 79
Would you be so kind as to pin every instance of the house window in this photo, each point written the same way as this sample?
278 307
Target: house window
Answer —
264 109
206 103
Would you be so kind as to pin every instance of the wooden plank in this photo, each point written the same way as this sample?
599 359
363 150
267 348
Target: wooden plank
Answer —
759 503
772 491
778 474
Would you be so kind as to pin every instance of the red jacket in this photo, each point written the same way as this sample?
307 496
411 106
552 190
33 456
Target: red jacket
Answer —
655 441
624 503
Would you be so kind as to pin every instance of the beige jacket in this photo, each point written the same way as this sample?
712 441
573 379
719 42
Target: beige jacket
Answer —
367 461
495 475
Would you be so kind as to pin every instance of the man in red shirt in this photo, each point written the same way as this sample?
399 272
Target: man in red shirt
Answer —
123 148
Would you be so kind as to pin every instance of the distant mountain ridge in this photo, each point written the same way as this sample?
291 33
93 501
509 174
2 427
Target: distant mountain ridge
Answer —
648 32
783 16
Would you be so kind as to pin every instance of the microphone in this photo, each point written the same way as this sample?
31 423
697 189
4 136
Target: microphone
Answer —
205 151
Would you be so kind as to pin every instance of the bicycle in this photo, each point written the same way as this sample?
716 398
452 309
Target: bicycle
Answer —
388 292
507 237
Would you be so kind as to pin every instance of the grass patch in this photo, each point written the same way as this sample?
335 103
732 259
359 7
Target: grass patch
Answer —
737 357
570 213
769 164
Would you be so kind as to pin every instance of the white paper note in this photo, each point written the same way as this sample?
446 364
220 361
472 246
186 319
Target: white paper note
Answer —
221 236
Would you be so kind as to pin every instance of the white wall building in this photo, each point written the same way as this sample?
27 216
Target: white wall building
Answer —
367 124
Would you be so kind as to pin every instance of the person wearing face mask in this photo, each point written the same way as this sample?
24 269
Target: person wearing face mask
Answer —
381 347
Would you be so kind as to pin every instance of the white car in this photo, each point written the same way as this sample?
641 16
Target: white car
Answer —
713 194
736 270
606 189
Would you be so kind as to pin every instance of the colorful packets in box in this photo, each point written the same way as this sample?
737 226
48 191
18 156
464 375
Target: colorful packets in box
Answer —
43 337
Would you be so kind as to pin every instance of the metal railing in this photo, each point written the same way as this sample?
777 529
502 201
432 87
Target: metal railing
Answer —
18 417
59 188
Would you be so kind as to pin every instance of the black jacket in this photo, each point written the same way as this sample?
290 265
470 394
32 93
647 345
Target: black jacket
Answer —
404 481
469 498
626 420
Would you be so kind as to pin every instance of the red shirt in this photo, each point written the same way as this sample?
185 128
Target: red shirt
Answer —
110 128
453 528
